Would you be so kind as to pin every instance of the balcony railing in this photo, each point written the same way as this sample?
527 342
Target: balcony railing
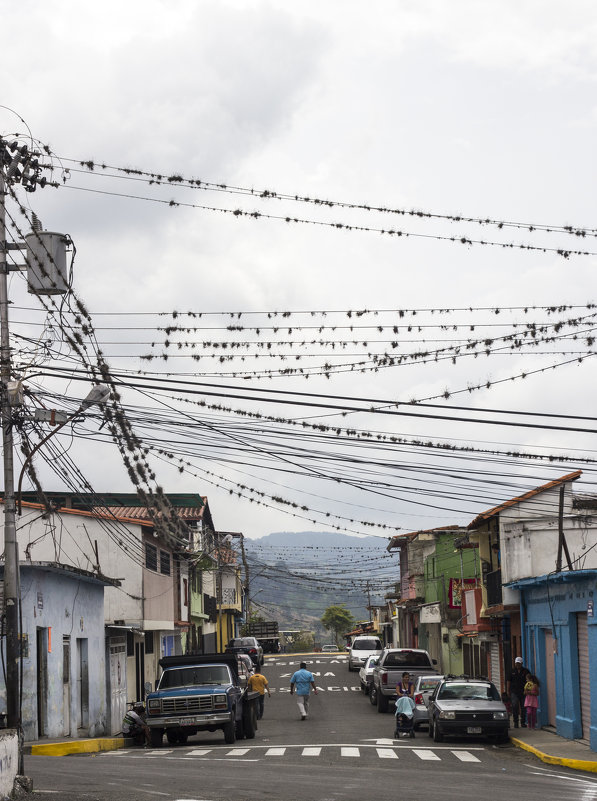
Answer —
493 584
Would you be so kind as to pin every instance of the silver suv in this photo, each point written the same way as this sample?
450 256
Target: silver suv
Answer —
361 648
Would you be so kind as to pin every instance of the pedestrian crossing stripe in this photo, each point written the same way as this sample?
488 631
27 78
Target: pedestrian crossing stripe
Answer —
425 754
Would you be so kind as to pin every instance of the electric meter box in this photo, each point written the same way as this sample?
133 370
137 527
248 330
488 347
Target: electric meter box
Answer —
46 263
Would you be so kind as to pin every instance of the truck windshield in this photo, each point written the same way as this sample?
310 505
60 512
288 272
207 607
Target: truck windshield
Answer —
194 675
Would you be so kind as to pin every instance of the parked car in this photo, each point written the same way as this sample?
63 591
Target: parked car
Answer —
246 645
464 706
330 649
366 674
393 662
246 661
424 686
361 648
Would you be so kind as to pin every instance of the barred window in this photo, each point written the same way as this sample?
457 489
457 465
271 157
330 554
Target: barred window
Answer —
151 556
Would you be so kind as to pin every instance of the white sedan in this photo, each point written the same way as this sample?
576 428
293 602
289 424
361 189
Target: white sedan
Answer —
366 673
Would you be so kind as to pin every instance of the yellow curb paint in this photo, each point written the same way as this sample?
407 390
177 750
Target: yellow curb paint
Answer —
77 747
575 764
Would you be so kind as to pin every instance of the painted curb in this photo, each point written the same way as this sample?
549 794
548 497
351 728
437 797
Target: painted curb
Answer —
576 764
77 747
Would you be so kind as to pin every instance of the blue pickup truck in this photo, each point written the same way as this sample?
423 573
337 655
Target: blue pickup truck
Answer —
203 692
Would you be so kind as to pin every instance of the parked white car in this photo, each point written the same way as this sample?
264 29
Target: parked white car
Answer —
366 675
424 686
363 647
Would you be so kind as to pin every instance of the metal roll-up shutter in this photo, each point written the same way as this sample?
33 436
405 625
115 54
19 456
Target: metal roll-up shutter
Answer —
496 673
583 671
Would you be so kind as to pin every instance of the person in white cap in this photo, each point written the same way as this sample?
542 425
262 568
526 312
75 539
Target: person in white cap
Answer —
515 688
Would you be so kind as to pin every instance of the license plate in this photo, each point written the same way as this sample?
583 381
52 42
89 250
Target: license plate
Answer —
188 721
474 730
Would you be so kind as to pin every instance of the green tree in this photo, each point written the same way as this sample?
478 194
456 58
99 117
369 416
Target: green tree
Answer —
338 620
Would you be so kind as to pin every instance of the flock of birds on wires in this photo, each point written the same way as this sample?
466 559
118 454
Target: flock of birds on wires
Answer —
171 403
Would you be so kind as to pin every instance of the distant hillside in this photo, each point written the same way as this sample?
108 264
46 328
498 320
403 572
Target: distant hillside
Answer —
295 576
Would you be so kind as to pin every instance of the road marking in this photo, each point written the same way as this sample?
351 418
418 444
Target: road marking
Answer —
311 751
350 752
275 752
238 752
425 755
386 753
466 756
199 752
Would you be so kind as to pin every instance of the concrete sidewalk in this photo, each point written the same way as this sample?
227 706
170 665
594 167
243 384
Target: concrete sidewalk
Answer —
555 750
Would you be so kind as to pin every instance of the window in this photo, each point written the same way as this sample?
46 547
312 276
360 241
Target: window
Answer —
149 642
165 563
130 644
151 556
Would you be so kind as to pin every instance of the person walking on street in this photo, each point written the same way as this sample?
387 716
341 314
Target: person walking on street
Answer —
302 681
531 700
258 683
515 689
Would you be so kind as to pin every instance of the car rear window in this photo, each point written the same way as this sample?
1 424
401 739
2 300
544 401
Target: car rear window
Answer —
429 684
468 692
411 659
366 645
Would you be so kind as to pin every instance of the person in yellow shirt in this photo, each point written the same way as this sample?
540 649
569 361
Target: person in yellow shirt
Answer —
258 683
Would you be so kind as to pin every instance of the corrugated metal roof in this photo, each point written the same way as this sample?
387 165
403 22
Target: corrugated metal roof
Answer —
396 540
513 501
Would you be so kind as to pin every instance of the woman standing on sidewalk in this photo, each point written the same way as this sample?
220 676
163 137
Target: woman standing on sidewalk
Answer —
531 700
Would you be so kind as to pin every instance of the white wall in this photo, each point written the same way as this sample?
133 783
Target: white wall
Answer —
9 760
529 544
69 538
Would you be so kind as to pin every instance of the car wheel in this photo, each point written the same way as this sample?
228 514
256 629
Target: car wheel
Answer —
182 738
438 737
430 731
230 733
172 737
382 702
373 696
155 735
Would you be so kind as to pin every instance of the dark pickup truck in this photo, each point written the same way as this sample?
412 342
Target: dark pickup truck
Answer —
246 645
201 693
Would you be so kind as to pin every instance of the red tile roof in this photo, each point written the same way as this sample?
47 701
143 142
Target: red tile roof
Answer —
513 501
141 513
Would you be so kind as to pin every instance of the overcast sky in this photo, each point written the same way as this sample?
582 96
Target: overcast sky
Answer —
485 110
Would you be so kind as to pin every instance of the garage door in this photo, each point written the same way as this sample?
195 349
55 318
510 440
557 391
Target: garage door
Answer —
583 670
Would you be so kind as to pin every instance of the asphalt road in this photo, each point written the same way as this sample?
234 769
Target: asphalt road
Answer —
344 751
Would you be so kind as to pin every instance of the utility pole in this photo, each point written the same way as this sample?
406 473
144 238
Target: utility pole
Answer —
18 165
11 563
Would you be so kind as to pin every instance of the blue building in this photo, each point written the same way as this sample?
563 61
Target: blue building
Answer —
559 632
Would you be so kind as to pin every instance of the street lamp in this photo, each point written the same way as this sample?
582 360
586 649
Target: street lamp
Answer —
98 394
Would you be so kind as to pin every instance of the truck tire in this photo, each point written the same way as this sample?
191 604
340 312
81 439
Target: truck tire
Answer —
155 735
182 737
230 733
382 702
171 736
438 737
373 695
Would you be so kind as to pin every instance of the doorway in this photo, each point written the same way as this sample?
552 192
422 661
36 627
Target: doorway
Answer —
66 685
42 681
82 683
